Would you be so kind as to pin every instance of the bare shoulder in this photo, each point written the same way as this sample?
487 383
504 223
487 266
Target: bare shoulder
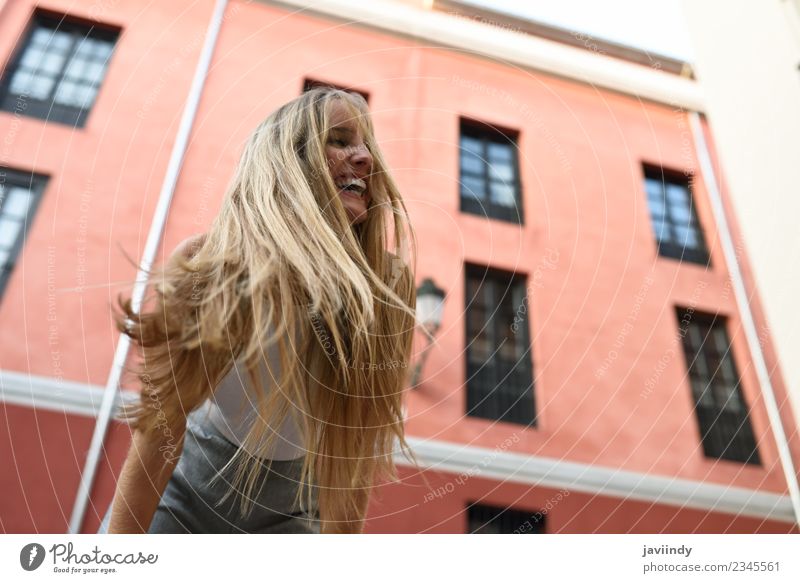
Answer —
189 246
185 250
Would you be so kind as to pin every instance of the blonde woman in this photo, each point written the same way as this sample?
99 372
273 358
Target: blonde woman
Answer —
274 359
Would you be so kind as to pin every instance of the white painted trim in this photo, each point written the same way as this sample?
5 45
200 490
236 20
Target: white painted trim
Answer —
56 395
555 473
441 29
454 458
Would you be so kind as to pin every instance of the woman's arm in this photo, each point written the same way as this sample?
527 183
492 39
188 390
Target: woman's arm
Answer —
144 476
151 459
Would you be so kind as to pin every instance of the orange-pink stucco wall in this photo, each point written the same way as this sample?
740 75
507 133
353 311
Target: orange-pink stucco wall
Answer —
581 149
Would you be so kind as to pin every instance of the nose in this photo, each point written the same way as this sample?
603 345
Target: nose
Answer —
361 158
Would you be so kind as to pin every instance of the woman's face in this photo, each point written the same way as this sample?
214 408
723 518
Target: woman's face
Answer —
350 162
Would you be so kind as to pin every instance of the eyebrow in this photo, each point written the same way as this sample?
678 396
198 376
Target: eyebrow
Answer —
342 129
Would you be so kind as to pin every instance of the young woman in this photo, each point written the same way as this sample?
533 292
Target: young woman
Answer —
275 357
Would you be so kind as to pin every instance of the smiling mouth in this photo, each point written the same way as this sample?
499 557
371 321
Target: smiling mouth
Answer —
354 187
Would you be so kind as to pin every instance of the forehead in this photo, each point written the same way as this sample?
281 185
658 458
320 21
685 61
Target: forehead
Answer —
344 116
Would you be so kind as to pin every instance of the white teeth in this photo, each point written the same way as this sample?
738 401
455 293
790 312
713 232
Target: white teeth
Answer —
357 182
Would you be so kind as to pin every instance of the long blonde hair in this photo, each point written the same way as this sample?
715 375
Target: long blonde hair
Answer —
340 301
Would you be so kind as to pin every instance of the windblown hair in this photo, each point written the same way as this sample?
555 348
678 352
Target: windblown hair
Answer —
282 264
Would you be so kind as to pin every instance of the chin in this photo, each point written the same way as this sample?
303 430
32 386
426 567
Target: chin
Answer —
357 219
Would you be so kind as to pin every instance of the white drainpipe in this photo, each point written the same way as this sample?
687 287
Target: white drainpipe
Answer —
748 322
151 246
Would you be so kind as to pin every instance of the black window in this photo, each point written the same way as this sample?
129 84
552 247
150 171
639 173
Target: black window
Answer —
499 366
19 196
483 519
57 71
489 172
675 223
722 414
312 83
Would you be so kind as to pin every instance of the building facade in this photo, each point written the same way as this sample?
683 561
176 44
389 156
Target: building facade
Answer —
590 374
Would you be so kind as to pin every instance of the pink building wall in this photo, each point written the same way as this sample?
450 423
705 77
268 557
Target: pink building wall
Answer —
581 150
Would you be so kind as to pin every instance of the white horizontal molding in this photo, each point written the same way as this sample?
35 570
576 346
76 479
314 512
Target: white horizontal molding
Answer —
554 473
52 394
81 399
515 48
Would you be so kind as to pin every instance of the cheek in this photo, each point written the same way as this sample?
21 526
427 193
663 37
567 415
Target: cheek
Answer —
332 159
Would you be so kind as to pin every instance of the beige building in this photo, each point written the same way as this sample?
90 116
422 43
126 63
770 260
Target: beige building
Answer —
746 60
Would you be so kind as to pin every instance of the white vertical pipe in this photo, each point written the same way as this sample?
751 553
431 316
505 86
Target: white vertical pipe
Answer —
748 321
151 246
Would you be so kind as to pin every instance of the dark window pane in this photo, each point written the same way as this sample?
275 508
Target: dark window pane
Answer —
657 207
26 83
93 73
502 194
51 63
471 163
727 371
727 397
488 171
484 519
722 415
10 229
685 236
681 214
75 69
58 39
508 346
475 290
19 194
499 368
501 172
661 228
702 392
472 146
59 69
500 153
95 49
675 224
654 188
17 202
480 348
472 186
677 194
65 93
